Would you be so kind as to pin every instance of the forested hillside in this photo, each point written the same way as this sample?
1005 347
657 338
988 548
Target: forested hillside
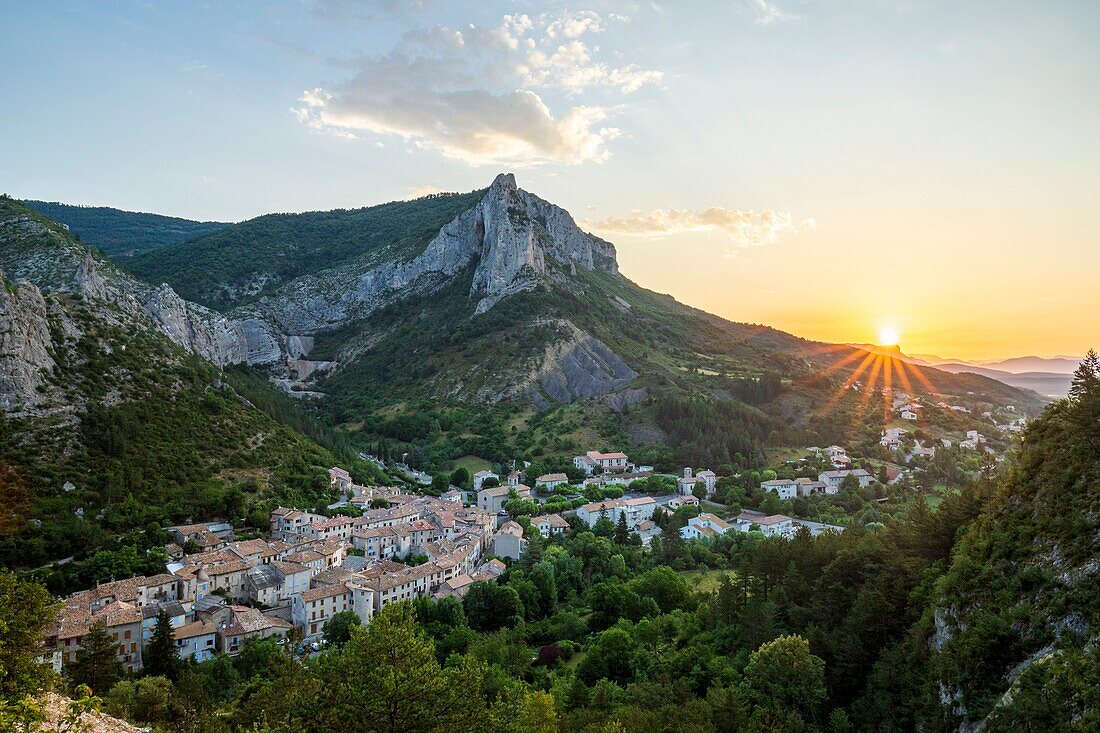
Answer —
238 264
982 611
1009 637
123 234
110 430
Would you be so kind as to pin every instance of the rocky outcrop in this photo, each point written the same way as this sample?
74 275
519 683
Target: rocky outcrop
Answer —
578 367
514 239
44 254
25 358
196 328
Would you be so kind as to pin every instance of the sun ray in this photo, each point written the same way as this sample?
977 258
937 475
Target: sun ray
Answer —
925 382
888 389
869 387
868 358
844 361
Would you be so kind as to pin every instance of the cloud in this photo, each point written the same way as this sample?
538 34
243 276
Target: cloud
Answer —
424 190
473 93
747 228
769 13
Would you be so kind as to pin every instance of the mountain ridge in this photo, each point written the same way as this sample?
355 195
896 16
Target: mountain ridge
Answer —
122 234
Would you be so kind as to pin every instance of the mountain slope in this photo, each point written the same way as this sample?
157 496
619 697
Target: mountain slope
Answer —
1010 637
1051 384
240 264
1021 364
111 419
123 234
498 297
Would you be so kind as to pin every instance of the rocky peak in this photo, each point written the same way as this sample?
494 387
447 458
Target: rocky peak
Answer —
521 238
506 181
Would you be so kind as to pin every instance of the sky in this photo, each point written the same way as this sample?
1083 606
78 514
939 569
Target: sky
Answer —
839 169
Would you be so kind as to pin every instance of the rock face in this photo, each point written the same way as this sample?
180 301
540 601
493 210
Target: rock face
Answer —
196 328
25 358
579 366
516 239
48 257
509 242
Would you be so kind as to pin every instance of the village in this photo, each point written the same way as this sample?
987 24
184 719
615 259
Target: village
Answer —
380 545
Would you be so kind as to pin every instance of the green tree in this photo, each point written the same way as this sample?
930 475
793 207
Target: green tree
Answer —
489 606
26 609
337 630
609 658
96 664
441 482
771 504
461 477
782 674
154 700
387 680
699 490
542 578
622 532
665 586
160 657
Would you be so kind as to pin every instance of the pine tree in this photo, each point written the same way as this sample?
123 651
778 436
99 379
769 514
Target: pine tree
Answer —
1084 398
622 532
96 664
159 656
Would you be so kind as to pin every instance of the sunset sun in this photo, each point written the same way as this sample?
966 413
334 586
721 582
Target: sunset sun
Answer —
888 337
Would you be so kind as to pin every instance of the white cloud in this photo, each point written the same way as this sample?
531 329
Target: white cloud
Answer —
768 13
425 190
473 93
747 228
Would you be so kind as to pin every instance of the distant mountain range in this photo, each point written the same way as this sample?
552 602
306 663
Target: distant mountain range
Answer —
1015 365
1050 376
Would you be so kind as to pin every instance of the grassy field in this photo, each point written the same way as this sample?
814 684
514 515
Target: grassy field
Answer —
781 454
473 464
705 582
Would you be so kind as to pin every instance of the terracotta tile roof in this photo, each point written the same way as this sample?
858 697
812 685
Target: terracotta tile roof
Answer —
195 628
324 591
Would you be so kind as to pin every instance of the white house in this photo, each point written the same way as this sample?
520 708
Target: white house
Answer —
585 463
807 486
772 525
647 530
678 501
550 481
973 441
481 477
594 460
339 478
908 414
833 479
508 541
311 609
891 438
783 488
705 526
549 524
492 500
636 510
688 481
196 640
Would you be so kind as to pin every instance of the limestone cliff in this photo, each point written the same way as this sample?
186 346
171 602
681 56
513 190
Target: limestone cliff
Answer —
513 239
40 252
25 358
